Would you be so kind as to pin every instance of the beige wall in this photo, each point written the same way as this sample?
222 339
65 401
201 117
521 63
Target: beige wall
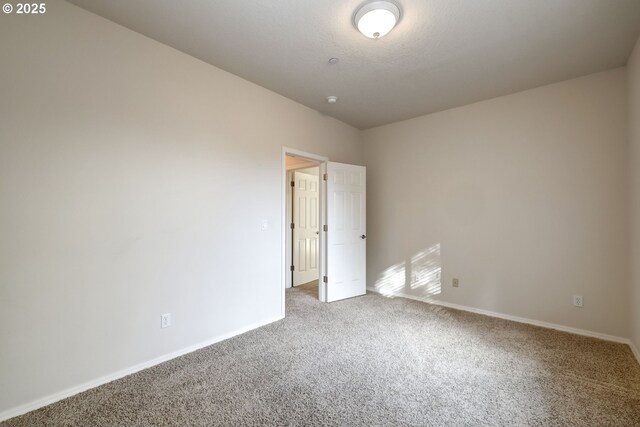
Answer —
633 67
133 181
524 198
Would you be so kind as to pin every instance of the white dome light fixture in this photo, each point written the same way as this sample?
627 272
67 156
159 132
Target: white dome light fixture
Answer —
377 18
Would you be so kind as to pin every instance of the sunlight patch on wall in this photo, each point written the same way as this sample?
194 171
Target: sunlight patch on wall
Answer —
391 280
426 269
420 275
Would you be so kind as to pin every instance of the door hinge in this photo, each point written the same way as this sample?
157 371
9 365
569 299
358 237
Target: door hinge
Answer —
325 177
293 183
293 226
292 268
324 279
325 228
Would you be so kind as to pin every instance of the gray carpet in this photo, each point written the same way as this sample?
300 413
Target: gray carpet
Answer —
373 361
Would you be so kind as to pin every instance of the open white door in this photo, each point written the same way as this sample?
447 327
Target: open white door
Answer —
306 198
346 236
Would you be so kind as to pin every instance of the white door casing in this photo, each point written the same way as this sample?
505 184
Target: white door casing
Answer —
346 236
306 229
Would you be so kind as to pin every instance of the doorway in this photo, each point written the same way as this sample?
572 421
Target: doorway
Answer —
303 220
304 211
335 237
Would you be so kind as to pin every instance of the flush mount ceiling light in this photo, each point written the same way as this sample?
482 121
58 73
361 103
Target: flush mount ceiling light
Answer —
377 18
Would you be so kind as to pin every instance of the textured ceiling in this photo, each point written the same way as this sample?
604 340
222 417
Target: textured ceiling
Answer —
442 54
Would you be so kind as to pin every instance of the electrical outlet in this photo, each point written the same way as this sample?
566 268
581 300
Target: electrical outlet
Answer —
455 283
165 320
578 301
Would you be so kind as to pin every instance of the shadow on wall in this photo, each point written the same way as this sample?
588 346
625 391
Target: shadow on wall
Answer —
419 276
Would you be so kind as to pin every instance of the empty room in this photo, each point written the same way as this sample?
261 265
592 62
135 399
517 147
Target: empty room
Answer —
320 213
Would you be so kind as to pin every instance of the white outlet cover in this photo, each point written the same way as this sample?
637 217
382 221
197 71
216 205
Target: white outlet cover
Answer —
165 320
578 301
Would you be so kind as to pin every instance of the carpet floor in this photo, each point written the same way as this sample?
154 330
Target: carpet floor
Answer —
372 361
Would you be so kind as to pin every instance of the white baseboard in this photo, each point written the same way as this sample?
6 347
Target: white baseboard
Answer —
47 400
540 323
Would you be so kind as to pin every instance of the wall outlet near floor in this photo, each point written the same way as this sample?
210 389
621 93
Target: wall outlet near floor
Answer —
578 301
455 283
165 320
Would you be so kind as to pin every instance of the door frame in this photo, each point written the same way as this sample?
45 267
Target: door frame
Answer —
322 247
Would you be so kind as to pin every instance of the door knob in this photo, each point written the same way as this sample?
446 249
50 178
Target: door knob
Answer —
363 237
